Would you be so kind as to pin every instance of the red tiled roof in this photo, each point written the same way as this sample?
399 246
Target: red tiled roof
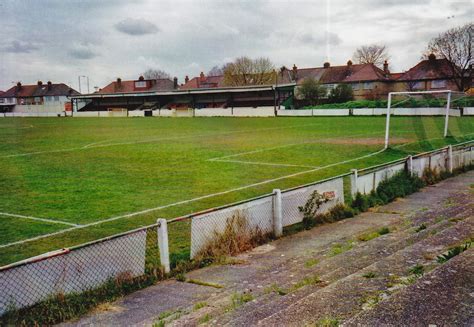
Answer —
203 82
338 74
129 86
429 69
395 76
39 90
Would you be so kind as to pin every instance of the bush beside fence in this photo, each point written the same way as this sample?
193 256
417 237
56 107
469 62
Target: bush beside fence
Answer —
142 252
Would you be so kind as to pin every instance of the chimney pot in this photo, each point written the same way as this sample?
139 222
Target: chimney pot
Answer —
141 78
202 76
186 79
175 82
327 65
432 56
50 85
385 67
40 83
349 62
18 86
295 72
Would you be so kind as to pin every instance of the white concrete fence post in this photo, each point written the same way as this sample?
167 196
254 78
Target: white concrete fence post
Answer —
163 244
277 213
450 159
354 182
410 165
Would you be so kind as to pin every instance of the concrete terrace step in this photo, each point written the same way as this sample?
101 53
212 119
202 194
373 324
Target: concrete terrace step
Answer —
348 296
443 297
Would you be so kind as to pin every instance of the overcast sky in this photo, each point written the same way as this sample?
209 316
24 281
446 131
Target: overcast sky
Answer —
58 40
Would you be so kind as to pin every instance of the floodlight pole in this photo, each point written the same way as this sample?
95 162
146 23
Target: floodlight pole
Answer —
387 124
448 104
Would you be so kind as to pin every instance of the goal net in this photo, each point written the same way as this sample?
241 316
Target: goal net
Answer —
440 105
117 112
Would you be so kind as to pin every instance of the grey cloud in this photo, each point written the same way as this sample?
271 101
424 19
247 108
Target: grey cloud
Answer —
20 47
317 39
82 52
134 26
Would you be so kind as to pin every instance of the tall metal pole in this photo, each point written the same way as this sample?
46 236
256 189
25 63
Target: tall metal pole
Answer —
448 104
79 81
387 126
88 91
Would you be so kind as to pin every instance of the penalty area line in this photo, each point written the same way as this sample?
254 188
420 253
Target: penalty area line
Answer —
6 214
129 215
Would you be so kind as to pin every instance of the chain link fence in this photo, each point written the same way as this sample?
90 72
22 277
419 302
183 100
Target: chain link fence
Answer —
137 253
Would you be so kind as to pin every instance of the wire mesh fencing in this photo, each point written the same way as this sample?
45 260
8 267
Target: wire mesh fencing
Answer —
73 270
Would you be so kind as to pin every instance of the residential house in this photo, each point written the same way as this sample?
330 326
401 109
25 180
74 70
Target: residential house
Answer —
428 75
202 82
367 80
41 97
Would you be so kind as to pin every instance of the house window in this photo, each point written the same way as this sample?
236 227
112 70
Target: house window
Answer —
355 86
418 85
438 84
140 84
368 85
56 98
2 100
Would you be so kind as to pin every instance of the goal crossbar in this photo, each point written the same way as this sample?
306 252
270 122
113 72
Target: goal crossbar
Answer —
389 106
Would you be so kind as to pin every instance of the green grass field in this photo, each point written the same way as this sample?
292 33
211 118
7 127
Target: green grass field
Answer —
112 175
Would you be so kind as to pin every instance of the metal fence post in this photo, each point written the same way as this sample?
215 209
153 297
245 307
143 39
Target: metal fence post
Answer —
163 244
450 159
277 213
354 182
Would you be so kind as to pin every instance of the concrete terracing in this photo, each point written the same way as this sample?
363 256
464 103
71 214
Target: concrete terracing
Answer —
333 274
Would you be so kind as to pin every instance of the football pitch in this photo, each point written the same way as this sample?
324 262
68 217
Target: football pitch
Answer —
67 181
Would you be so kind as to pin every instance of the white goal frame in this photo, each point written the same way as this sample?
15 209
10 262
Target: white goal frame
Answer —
389 106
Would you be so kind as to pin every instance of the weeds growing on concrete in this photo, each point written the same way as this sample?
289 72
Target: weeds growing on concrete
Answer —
454 251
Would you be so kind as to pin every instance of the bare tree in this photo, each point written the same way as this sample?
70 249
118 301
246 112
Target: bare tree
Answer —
156 74
246 71
216 70
456 45
371 54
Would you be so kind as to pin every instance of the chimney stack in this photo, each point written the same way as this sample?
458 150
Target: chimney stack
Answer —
295 72
175 83
118 84
141 78
50 85
18 86
186 79
327 65
40 83
432 57
385 67
349 62
202 76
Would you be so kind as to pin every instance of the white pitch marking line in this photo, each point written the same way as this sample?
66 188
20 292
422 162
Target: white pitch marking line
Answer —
189 200
38 219
262 163
92 145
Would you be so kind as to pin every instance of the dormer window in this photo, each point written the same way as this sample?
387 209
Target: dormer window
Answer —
140 84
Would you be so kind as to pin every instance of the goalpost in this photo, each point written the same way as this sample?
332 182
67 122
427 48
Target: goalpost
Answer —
389 107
